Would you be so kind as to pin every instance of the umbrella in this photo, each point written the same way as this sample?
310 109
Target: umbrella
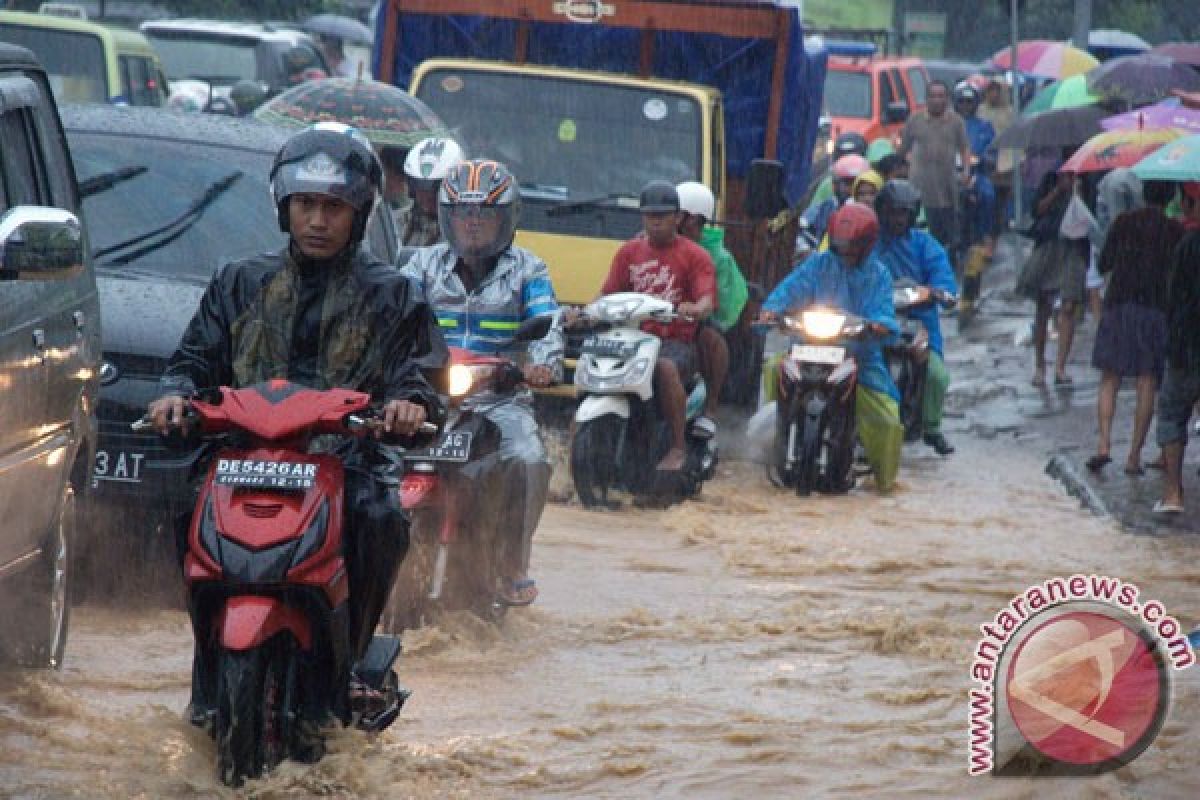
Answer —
385 114
1143 78
1183 52
1177 161
338 27
1045 58
1064 127
1167 114
1070 92
1113 149
1116 40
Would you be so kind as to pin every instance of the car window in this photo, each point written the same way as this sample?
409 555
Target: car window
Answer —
168 207
25 180
140 81
74 61
887 95
848 94
917 79
223 61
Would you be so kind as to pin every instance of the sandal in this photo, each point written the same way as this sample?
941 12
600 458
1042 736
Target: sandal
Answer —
519 593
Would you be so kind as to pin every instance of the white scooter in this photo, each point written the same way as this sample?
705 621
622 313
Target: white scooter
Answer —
620 436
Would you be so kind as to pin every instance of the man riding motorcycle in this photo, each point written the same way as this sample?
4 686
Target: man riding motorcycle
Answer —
427 163
914 254
980 213
848 277
482 286
844 171
322 313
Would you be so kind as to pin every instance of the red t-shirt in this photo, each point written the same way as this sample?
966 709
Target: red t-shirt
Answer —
681 272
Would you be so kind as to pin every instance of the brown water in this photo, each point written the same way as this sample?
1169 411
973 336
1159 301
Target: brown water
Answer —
749 644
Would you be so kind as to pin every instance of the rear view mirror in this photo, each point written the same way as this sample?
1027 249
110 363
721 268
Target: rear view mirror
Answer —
896 112
38 243
764 189
534 328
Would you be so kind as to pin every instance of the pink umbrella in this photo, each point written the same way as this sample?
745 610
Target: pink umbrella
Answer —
1159 115
1046 58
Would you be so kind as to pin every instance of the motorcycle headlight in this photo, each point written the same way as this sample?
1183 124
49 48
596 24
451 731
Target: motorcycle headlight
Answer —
638 371
822 324
460 380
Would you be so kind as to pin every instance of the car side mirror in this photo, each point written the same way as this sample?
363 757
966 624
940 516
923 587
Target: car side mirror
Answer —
764 189
895 112
39 243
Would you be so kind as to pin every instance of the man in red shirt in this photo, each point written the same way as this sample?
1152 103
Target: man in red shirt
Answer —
661 263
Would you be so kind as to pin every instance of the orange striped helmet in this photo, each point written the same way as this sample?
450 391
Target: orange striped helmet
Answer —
477 192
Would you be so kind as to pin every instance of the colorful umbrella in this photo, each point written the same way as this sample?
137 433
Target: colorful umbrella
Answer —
1177 161
1070 92
1167 114
1063 127
1113 149
1183 52
386 115
1046 58
1142 79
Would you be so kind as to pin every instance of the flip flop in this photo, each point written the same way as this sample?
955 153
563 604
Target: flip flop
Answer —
509 598
1098 462
1167 508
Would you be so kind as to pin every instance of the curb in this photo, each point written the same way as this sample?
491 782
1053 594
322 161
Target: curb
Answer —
1062 470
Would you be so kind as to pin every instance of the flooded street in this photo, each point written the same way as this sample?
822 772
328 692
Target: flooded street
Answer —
751 643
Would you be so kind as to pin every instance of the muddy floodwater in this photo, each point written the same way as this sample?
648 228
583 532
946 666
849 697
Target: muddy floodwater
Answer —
749 644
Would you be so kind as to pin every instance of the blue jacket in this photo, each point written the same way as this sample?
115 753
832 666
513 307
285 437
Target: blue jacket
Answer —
980 134
865 290
818 216
920 257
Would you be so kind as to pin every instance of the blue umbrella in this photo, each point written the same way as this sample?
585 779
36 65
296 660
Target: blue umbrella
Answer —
1177 161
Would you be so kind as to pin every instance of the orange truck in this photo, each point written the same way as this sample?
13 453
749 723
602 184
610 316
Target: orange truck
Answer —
873 96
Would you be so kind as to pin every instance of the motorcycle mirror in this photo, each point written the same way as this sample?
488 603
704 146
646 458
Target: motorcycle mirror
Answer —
534 328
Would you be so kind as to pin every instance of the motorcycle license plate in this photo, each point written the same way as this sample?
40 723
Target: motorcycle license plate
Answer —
121 466
607 348
255 474
453 446
818 354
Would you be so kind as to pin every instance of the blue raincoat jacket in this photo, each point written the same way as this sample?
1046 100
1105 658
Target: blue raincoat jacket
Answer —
920 257
865 290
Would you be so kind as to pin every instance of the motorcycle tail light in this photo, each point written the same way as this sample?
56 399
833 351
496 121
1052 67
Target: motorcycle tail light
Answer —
416 489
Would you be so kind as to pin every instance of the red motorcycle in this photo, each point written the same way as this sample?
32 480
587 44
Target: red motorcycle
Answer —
455 552
266 577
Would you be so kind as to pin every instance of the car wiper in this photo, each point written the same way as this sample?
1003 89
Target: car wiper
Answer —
107 180
618 199
171 230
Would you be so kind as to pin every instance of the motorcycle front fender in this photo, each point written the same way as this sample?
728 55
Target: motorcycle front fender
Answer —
247 621
815 405
597 405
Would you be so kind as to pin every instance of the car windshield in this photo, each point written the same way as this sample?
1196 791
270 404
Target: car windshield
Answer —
848 94
569 141
222 61
73 61
173 208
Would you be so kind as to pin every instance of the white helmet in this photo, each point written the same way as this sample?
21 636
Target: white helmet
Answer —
697 199
431 158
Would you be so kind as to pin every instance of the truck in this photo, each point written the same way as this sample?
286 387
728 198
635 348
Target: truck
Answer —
587 100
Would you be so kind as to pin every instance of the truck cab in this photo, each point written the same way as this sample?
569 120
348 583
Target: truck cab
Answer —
581 144
873 96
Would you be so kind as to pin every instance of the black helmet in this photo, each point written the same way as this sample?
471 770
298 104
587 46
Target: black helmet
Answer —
899 194
849 143
332 159
485 188
659 197
248 95
964 92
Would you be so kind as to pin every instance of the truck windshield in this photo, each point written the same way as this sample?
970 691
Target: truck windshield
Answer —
73 61
571 141
848 94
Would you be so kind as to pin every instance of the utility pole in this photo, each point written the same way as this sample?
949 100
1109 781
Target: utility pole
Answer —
1013 11
1083 23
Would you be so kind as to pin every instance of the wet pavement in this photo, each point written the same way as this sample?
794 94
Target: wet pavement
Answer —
991 397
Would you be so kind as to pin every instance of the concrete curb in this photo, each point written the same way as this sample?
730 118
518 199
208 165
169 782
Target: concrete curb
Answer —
1062 470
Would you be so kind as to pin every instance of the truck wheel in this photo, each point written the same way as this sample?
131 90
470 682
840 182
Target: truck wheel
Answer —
251 719
593 459
35 628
